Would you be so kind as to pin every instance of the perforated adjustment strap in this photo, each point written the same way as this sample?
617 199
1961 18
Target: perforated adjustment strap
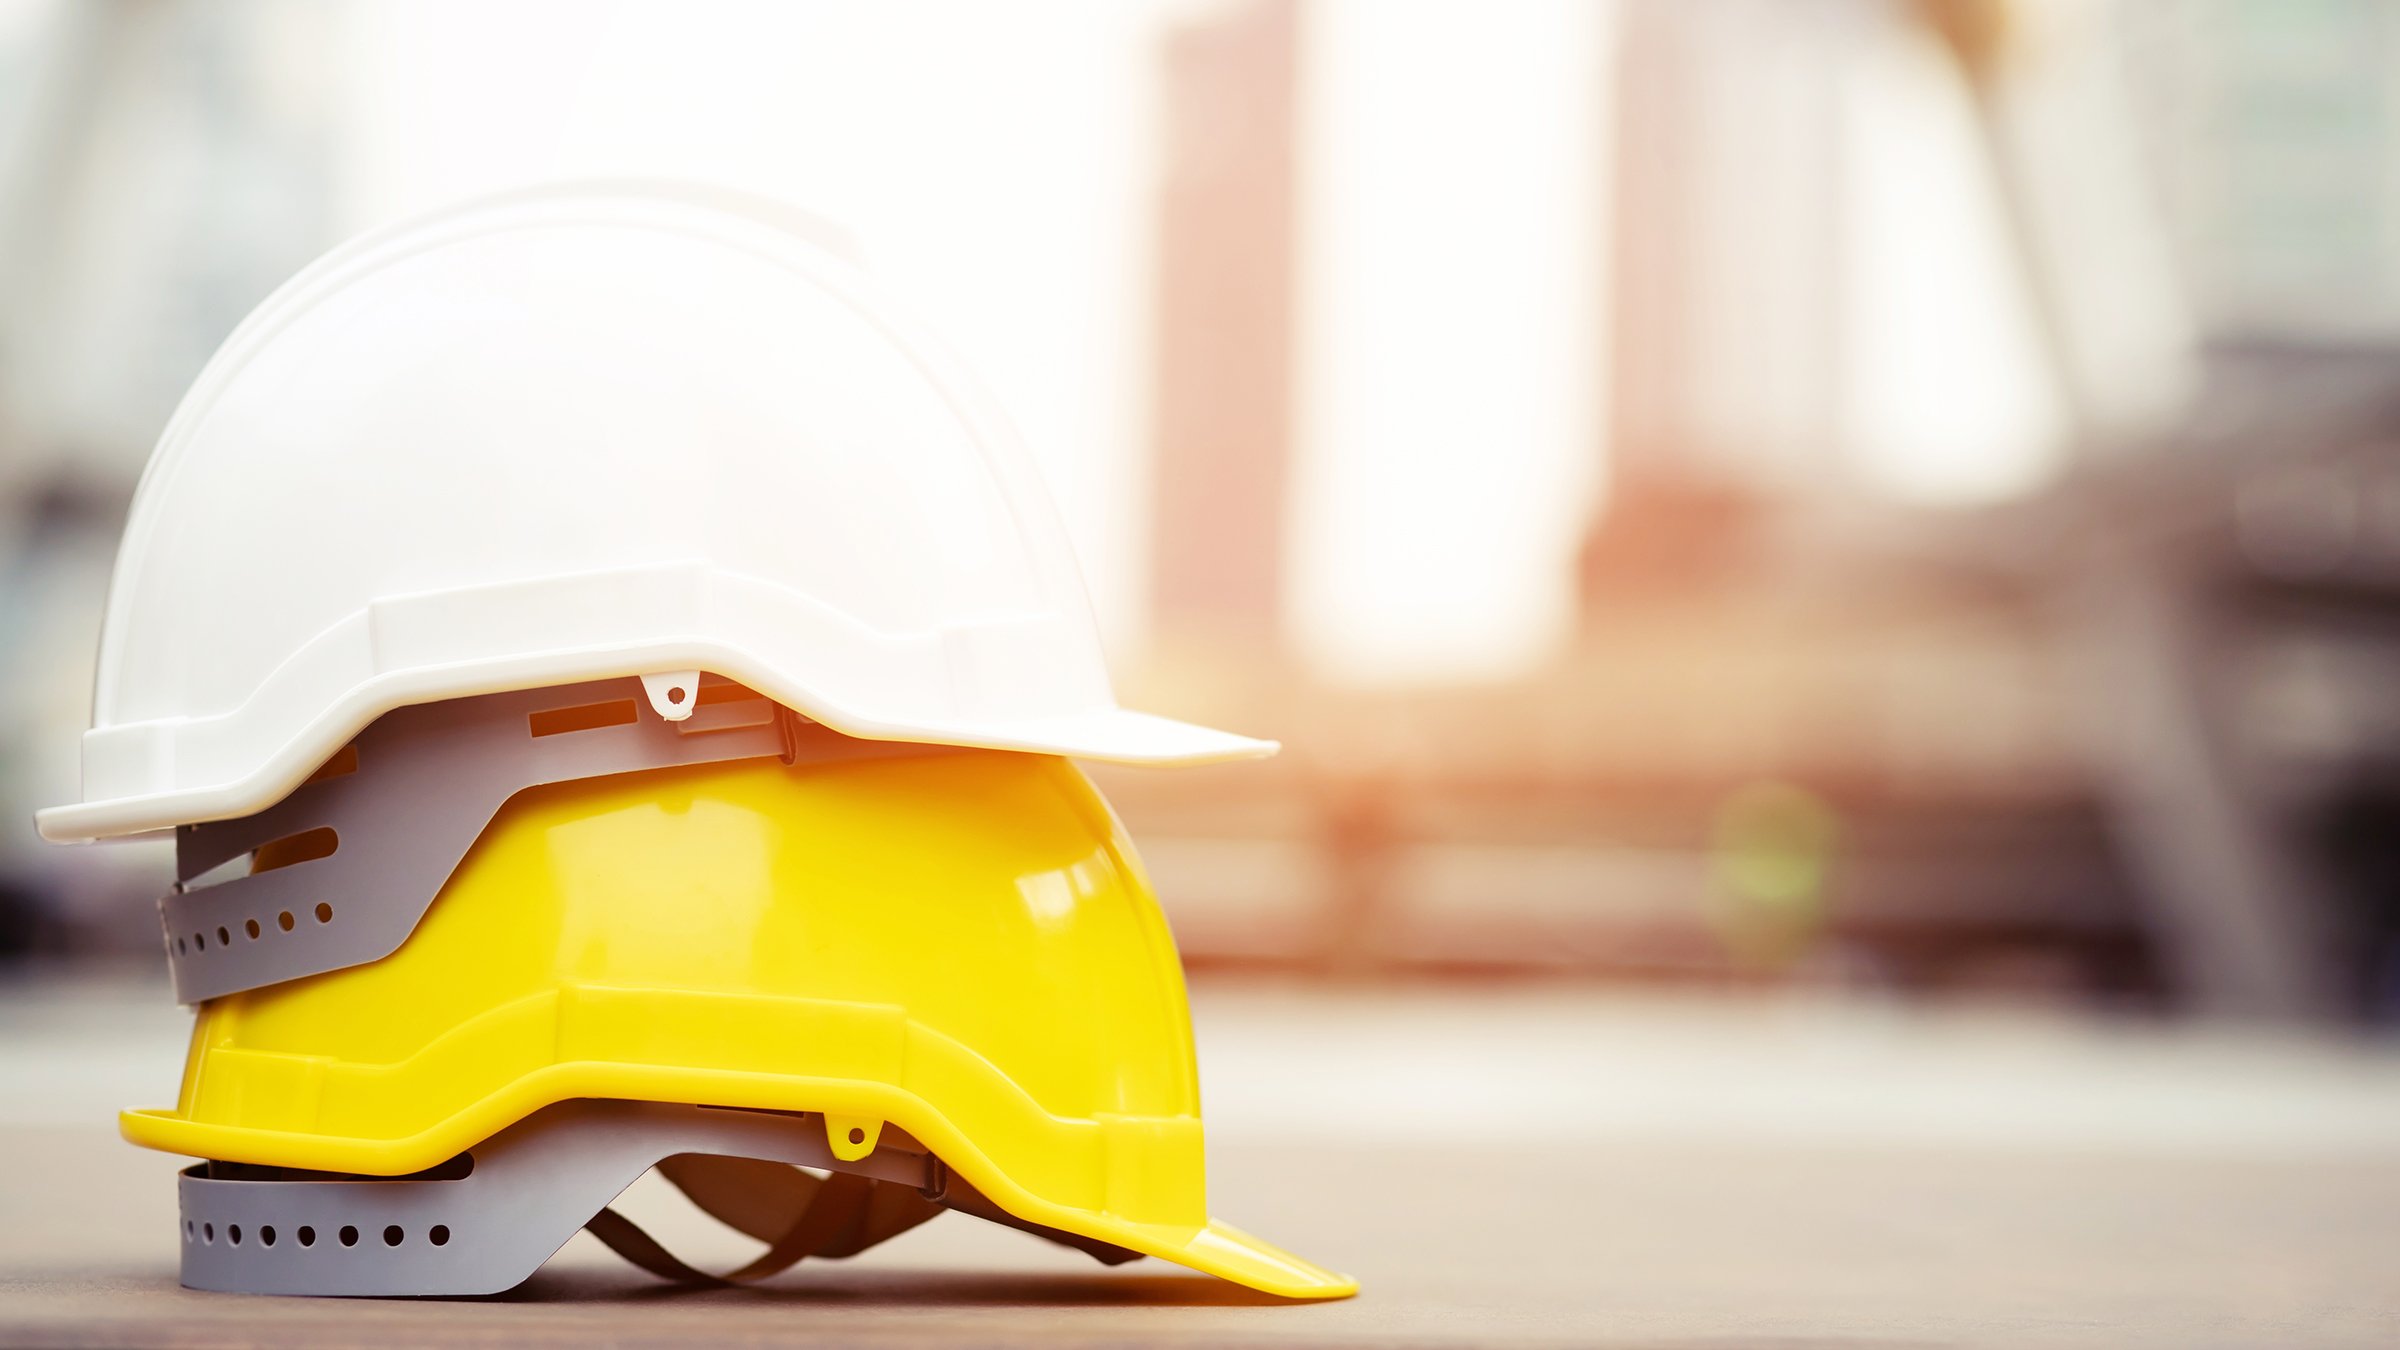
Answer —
380 829
528 1190
488 1225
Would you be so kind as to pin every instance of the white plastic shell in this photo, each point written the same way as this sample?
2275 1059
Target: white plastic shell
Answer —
572 433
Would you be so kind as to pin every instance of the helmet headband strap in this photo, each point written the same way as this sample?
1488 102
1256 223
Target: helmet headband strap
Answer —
378 831
486 1222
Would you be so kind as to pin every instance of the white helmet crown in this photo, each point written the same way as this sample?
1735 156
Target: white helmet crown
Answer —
571 433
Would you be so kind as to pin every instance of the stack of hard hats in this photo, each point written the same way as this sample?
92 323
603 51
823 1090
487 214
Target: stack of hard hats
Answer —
610 679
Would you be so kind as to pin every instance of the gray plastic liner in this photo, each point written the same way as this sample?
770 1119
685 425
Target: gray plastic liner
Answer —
484 1225
402 805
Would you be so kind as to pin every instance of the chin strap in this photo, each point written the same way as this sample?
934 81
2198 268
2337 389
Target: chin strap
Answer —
800 1215
797 1214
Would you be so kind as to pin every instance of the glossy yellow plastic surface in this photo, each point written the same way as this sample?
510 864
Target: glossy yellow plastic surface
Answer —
960 943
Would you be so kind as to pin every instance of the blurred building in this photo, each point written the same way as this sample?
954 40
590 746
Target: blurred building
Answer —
1980 746
1222 362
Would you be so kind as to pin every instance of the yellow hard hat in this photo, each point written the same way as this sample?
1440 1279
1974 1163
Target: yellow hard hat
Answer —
939 969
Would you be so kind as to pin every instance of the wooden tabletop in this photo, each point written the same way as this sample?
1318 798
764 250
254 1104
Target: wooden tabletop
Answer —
1496 1168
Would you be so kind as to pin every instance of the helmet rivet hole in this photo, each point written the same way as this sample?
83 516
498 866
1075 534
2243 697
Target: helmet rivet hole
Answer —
392 1236
234 1231
349 1236
440 1236
208 1232
187 1230
307 1236
200 940
676 695
252 929
224 939
266 1235
179 947
284 921
857 1135
324 912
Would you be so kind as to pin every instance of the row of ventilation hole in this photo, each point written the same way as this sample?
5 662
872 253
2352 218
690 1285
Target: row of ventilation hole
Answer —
284 921
393 1235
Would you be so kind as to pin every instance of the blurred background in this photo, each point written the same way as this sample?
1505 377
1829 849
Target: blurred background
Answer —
1900 500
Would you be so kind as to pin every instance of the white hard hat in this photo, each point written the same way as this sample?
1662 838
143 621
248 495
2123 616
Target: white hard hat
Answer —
580 432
